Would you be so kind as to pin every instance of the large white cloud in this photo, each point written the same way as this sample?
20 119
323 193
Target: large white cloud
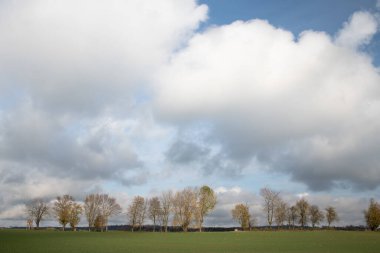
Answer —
307 105
77 56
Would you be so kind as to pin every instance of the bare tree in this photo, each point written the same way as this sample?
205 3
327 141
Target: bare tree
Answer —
184 205
206 200
159 220
134 211
372 215
331 215
61 208
270 198
92 209
74 215
316 216
241 214
154 210
108 207
37 210
280 212
29 223
292 214
166 201
302 210
143 213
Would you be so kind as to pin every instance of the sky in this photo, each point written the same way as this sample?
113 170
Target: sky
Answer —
138 97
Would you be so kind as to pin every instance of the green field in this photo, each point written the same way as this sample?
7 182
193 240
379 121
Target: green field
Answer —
309 241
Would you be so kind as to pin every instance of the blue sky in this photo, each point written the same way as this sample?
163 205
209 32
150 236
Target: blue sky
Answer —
327 16
137 97
319 15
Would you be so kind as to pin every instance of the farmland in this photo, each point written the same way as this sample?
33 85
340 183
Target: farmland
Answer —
258 241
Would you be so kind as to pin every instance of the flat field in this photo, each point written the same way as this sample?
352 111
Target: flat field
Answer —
208 242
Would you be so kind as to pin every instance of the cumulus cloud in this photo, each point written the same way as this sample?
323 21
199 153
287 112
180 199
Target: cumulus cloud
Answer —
358 31
186 152
31 138
204 159
307 106
77 57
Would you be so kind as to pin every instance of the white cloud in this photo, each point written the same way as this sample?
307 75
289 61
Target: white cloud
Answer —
222 190
358 31
236 189
302 195
303 106
78 57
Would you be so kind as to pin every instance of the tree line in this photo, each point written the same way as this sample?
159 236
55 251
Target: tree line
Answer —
186 208
97 209
302 212
279 212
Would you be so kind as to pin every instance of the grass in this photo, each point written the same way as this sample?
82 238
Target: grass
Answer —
278 241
